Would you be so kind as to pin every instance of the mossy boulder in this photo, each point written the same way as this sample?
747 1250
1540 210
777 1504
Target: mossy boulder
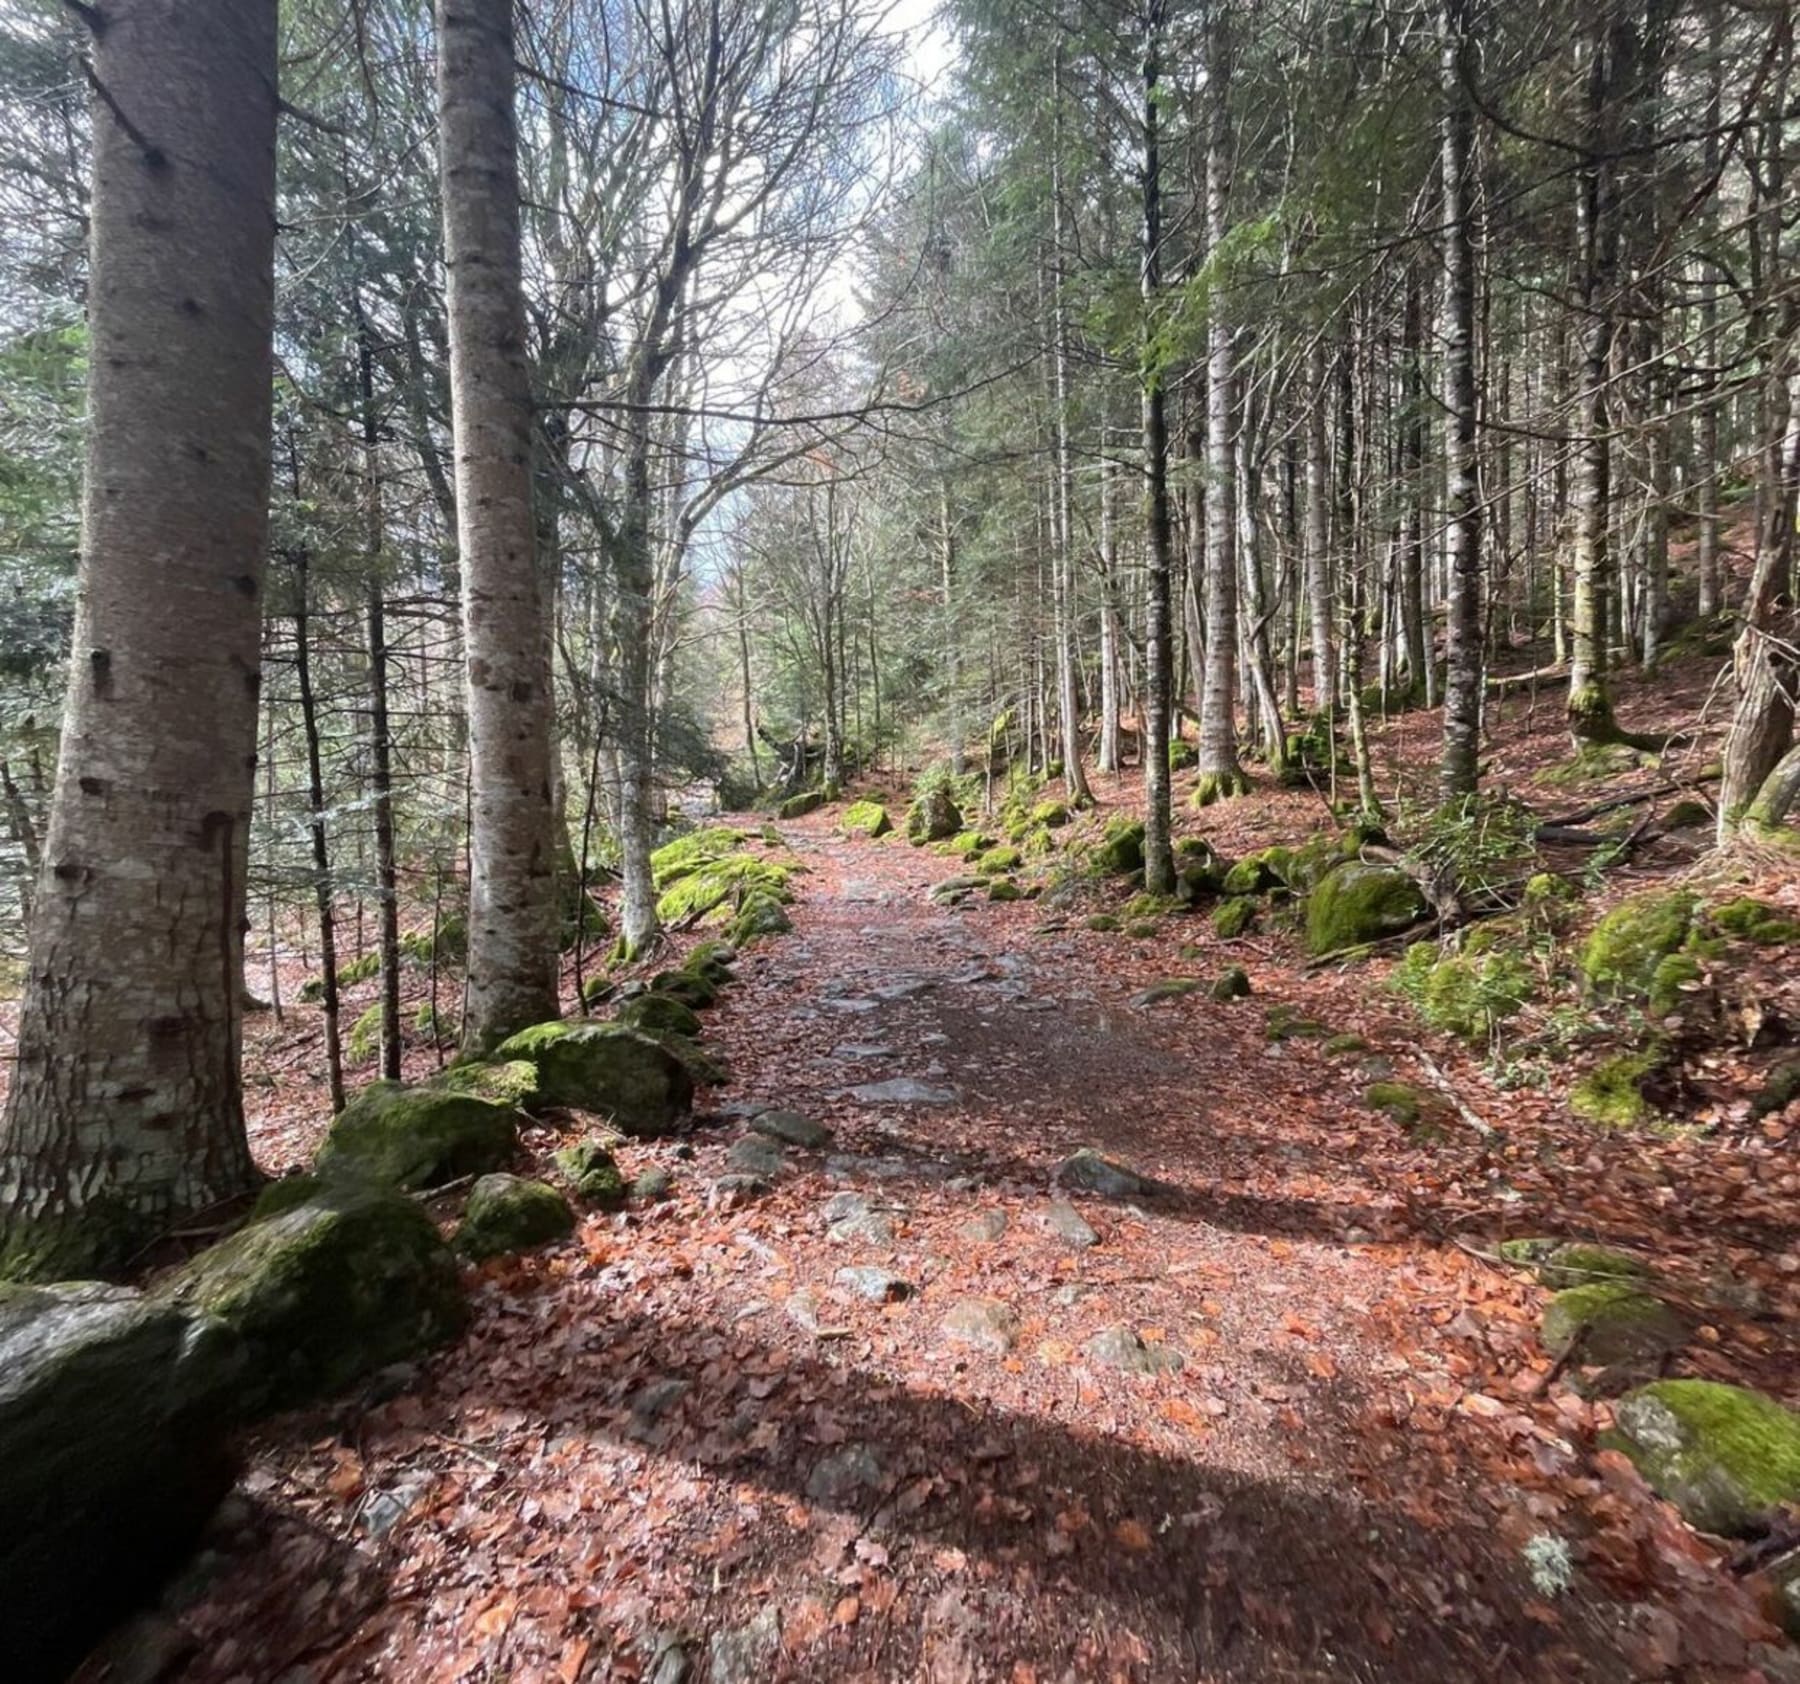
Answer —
1596 762
1232 983
1754 921
1688 814
354 1279
1724 1456
1120 850
1258 873
798 806
1637 952
690 986
1617 1092
629 1078
692 852
966 844
1004 889
714 890
1611 1321
1199 870
1781 1087
867 819
1284 1023
933 817
1233 917
1358 903
1399 1102
1103 923
509 1213
591 1171
1051 815
1170 988
512 1082
1143 929
997 861
115 1412
392 1135
760 915
659 1014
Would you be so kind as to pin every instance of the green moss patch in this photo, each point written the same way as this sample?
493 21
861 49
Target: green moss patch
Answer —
659 1014
512 1082
722 885
1615 1092
1233 918
1463 994
760 915
1636 952
1232 983
1398 1101
1726 1457
1755 921
1120 850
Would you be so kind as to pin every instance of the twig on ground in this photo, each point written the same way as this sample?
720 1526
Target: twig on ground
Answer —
1442 1083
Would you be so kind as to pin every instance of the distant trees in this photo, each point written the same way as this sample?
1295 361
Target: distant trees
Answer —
125 1109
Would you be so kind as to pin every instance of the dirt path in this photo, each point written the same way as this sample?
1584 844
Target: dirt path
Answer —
1228 1430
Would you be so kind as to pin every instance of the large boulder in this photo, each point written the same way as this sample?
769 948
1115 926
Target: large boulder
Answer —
1724 1456
346 1283
115 1412
391 1135
1639 952
508 1213
1359 903
660 1014
635 1082
867 818
934 817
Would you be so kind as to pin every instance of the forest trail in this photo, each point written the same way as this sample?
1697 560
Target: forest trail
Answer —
1266 1422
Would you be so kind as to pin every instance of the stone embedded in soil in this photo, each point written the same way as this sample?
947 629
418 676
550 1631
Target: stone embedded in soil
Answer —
1066 1223
1120 1347
652 1402
985 1228
903 1090
854 1050
867 1227
840 1207
1610 1322
877 1285
851 1006
1089 1172
745 1654
752 1156
729 1190
651 1185
844 1475
984 1323
792 1129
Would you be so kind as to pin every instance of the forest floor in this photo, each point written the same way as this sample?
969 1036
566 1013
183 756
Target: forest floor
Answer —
687 1445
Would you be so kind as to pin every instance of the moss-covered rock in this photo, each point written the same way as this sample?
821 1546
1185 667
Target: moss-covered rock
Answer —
632 1080
511 1082
1103 923
1398 1101
997 861
508 1213
1284 1023
1726 1457
1688 814
1232 983
1636 952
1170 988
1616 1092
333 1289
933 817
1755 921
1574 1263
115 1412
1004 889
798 806
704 1067
1612 1321
659 1014
759 916
1341 1046
714 890
1359 903
1596 762
1120 850
1233 917
867 819
1781 1087
1143 929
966 844
1051 815
591 1171
692 852
1183 756
689 986
1258 873
364 1040
392 1135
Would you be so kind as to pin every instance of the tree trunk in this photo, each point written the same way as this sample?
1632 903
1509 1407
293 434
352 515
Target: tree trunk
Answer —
512 976
1159 858
1318 559
126 1109
1220 775
323 889
1462 671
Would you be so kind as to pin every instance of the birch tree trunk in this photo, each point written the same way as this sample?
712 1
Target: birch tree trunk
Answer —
1463 665
126 1109
512 977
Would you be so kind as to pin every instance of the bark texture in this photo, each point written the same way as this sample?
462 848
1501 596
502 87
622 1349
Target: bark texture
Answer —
512 853
125 1110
